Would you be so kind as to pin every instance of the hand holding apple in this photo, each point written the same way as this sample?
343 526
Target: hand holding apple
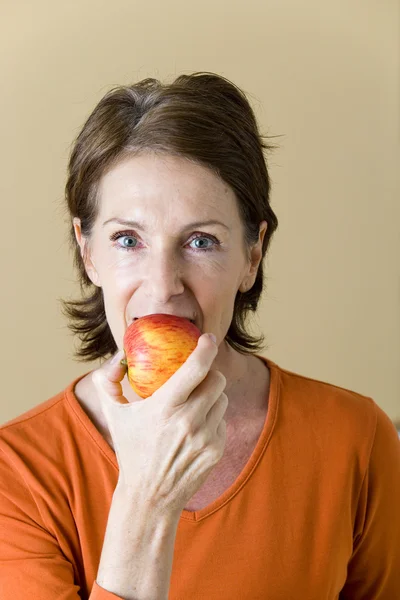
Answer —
156 346
166 447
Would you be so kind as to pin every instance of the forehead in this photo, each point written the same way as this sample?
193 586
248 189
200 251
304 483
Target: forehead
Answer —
165 185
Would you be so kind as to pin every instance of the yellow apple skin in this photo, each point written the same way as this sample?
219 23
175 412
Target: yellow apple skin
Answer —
155 347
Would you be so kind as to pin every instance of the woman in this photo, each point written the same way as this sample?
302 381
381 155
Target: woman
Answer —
237 478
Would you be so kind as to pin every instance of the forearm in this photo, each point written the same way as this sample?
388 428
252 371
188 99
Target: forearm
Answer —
138 548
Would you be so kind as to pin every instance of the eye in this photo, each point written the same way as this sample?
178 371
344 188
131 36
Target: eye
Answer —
124 236
129 241
205 237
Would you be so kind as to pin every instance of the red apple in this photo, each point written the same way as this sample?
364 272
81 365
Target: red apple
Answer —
155 347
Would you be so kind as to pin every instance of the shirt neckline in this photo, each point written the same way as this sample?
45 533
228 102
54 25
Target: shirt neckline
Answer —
248 469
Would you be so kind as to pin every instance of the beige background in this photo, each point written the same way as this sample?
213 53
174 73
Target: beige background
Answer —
324 75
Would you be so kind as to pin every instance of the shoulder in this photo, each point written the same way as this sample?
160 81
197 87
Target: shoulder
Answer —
37 414
326 401
35 423
330 420
40 434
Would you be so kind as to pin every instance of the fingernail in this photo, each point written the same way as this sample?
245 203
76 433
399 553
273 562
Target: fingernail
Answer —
117 357
212 336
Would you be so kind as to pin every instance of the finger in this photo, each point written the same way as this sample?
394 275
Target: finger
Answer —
185 379
217 412
107 379
221 431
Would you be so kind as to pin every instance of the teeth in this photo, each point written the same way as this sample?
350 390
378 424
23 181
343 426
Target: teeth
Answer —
191 320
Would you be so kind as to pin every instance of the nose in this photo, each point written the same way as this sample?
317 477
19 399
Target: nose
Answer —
164 278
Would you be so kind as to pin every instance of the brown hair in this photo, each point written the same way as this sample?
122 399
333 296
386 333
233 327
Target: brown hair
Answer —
202 117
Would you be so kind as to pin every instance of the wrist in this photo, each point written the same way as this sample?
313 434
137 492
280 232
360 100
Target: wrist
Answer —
127 498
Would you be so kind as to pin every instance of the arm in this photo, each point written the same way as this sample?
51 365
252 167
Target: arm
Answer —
374 568
138 548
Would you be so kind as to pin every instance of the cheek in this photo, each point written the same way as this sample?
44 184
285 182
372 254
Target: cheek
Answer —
118 289
122 273
117 272
117 293
118 283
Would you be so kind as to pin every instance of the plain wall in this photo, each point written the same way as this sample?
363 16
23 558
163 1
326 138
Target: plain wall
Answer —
323 75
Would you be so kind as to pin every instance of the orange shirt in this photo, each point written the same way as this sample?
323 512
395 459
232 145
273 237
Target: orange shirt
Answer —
314 515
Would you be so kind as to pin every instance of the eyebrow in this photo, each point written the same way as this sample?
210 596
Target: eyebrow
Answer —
142 226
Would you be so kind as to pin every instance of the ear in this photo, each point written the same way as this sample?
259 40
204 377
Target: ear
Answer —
85 253
255 259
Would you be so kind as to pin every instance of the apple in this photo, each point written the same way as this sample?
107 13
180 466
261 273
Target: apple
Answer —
155 347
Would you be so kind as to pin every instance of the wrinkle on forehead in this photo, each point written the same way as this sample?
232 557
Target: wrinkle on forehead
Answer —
136 186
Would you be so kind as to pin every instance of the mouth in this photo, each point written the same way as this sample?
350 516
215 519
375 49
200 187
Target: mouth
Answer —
191 320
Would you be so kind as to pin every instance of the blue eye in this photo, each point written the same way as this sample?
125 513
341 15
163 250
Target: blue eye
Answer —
129 238
203 237
131 245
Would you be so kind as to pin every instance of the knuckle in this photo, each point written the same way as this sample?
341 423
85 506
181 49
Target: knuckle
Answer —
222 435
186 426
222 379
215 454
197 370
199 441
97 377
225 400
203 440
101 383
218 378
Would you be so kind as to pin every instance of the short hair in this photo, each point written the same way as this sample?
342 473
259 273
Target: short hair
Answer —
202 117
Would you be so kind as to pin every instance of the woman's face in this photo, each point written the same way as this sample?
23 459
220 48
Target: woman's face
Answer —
168 264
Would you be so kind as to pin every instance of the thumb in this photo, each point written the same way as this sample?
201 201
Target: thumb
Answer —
107 378
191 373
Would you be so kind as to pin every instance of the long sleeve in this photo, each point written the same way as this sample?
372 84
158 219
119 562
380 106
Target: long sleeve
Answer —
31 562
374 568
